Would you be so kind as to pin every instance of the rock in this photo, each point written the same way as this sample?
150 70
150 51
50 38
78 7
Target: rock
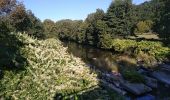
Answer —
112 79
162 76
116 89
165 67
151 82
146 97
136 88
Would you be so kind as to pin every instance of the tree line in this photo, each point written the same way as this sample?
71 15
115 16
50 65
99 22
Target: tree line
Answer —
122 19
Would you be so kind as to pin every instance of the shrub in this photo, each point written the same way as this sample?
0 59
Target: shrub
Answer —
106 41
122 45
147 51
50 70
144 26
154 49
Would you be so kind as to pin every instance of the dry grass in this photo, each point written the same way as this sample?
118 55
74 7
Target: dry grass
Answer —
145 36
148 36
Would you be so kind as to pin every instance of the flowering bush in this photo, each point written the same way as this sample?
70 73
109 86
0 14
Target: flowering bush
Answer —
50 70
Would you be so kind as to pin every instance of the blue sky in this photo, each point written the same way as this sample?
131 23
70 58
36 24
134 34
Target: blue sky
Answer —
66 9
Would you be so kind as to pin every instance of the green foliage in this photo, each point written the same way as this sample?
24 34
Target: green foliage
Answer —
121 20
133 76
118 17
106 41
153 48
18 19
3 28
87 32
81 34
162 20
49 28
102 37
144 26
143 49
145 11
11 57
122 45
68 29
10 52
94 28
35 26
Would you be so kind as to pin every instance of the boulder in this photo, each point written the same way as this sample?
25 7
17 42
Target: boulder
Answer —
165 67
151 82
136 88
162 76
112 79
111 86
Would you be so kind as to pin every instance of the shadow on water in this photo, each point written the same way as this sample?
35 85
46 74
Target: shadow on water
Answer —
104 60
11 58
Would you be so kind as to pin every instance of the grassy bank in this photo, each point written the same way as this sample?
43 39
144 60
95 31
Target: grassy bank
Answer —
50 73
147 51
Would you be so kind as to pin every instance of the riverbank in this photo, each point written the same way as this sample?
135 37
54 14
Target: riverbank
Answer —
150 53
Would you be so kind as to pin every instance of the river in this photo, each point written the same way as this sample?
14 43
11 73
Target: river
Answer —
101 59
107 61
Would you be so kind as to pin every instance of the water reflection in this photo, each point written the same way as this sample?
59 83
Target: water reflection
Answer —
107 61
94 57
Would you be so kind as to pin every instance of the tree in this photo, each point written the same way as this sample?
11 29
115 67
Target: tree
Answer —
145 11
19 18
162 25
10 55
92 35
6 6
35 27
103 35
49 27
118 17
68 29
82 32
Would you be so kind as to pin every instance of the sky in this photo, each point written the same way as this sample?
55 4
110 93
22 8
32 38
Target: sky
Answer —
66 9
